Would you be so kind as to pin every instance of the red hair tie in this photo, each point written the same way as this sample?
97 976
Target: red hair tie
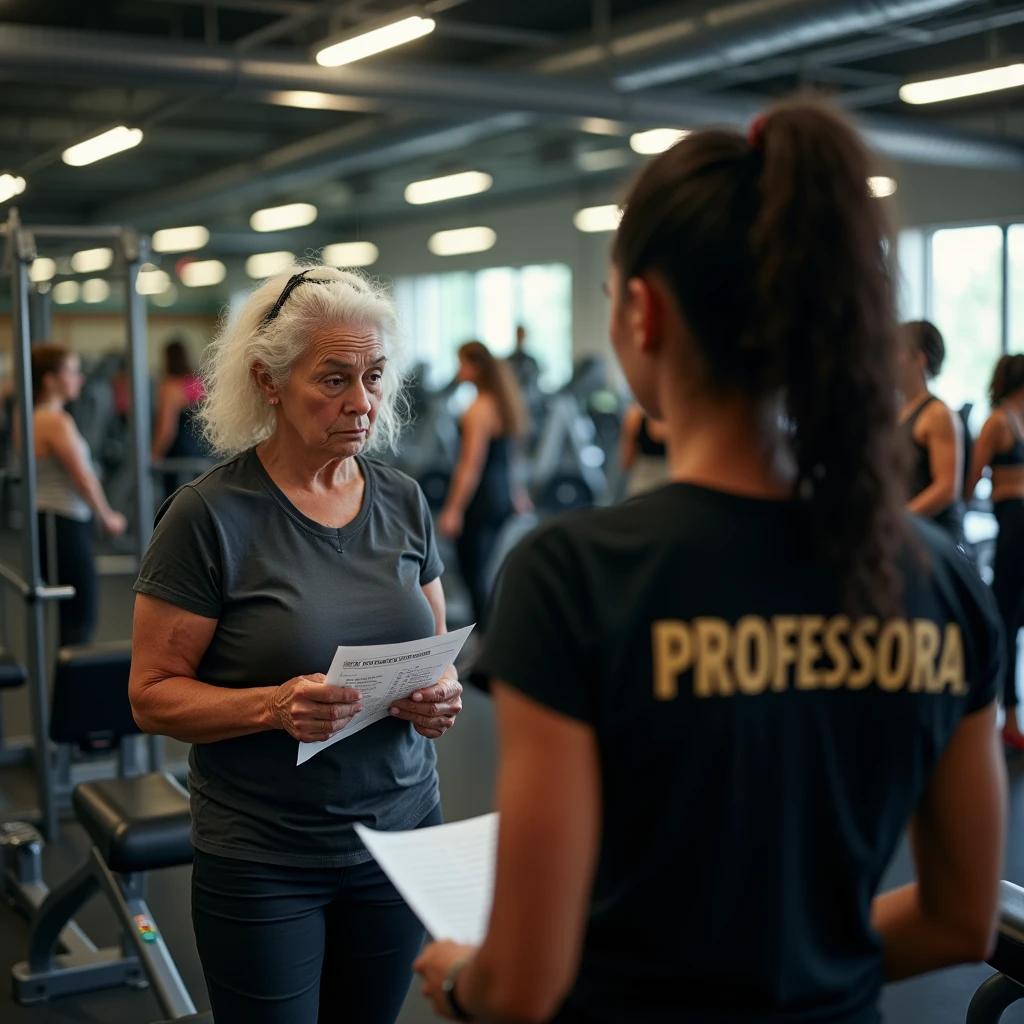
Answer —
755 134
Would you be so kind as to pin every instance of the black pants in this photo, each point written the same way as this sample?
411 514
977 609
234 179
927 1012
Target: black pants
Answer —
475 547
75 568
302 945
1008 583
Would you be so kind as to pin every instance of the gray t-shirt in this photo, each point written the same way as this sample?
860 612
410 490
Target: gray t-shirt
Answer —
286 592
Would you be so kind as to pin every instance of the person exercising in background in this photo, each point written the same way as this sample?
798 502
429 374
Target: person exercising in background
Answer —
523 365
480 497
719 704
642 451
1000 445
176 434
933 432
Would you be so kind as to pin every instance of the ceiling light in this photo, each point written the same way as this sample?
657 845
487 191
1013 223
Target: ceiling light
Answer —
89 261
10 186
655 140
95 290
114 141
597 218
603 159
368 43
42 269
322 101
267 264
955 87
201 273
152 282
350 254
601 126
66 292
180 239
451 186
880 186
167 298
461 241
281 218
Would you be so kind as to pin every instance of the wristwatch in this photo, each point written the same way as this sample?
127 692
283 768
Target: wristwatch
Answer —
448 988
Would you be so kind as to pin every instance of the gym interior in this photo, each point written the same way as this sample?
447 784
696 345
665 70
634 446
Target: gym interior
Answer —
161 159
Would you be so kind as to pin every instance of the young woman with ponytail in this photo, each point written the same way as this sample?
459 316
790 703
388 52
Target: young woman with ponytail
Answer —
1000 445
721 703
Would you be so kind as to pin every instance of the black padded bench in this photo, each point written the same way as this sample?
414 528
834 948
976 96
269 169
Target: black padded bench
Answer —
1006 987
136 825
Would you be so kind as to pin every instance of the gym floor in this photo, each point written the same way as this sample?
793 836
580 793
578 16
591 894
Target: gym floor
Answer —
466 763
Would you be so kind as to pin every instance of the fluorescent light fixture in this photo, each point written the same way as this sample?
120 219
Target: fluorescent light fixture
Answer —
10 186
67 292
95 290
267 264
880 186
601 126
350 254
603 159
322 101
281 218
597 218
167 298
91 261
954 87
451 186
114 141
655 140
461 241
201 273
152 282
42 269
180 239
366 44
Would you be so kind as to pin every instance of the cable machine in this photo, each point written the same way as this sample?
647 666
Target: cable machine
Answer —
131 250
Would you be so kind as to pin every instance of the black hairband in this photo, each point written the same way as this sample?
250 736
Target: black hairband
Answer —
293 282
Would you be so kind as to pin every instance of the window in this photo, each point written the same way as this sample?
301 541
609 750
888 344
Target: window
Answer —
1015 287
441 311
967 306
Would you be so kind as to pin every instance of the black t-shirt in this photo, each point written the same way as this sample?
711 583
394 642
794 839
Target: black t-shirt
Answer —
761 753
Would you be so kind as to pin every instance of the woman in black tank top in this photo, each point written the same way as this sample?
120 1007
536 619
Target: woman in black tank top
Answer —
480 496
1000 445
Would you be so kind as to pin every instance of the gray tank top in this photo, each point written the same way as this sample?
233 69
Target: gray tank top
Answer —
55 490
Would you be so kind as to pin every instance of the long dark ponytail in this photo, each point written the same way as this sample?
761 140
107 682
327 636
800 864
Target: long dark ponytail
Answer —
776 253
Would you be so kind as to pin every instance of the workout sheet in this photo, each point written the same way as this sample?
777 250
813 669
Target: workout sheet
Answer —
384 673
453 903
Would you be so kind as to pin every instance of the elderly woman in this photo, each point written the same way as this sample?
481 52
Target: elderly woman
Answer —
256 572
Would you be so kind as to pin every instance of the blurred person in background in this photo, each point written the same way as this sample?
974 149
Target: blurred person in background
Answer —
68 489
642 451
1000 447
524 366
176 434
932 432
480 497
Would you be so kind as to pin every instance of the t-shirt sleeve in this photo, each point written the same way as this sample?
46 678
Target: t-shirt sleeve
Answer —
183 564
537 638
432 566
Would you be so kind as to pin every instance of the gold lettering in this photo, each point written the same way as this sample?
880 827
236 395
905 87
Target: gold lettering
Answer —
785 627
751 659
837 651
926 649
863 652
893 655
711 672
673 654
809 651
951 665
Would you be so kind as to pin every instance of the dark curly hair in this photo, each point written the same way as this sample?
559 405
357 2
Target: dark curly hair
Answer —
1008 377
776 254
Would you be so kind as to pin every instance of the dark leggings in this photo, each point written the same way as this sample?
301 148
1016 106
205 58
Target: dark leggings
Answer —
475 547
302 945
75 568
1008 583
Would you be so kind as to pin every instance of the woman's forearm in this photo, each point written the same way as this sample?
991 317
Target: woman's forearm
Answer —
195 712
465 481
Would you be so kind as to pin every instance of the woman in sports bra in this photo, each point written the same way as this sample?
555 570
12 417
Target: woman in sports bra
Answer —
1000 445
642 452
932 431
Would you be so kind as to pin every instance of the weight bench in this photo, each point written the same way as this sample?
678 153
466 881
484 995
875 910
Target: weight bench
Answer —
1006 987
136 825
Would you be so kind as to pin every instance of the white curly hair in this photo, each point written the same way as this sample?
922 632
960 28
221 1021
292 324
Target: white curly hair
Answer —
235 415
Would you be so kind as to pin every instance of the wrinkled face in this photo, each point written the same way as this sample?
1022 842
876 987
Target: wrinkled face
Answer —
68 380
333 394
